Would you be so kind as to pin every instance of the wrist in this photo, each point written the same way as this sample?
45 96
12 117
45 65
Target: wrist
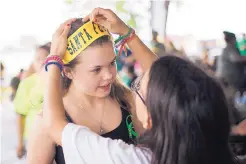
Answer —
54 60
53 68
21 143
125 30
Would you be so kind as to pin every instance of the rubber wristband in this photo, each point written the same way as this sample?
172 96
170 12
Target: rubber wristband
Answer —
55 63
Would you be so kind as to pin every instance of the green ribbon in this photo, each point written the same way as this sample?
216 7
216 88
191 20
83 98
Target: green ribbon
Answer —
123 36
130 127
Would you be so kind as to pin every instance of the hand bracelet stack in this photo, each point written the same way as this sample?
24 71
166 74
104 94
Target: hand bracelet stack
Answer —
54 59
122 40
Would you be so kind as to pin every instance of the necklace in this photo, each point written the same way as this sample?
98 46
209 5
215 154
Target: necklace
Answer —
101 130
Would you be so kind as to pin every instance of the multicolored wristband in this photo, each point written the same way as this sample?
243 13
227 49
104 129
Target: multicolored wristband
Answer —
122 40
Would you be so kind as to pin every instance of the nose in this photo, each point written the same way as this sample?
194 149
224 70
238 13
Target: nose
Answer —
108 75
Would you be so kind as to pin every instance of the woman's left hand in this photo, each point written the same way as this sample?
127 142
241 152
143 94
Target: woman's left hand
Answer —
59 39
108 19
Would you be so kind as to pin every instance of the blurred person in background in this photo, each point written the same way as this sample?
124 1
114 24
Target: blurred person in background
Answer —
157 47
205 54
14 83
128 75
22 106
123 59
182 51
1 71
1 80
242 45
230 71
125 66
170 48
206 60
230 66
20 75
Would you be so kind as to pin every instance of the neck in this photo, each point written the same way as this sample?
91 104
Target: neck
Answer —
74 96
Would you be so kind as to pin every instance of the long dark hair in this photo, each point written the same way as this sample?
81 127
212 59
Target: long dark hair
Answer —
190 123
119 92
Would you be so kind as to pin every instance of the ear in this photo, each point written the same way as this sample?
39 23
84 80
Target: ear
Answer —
68 72
147 124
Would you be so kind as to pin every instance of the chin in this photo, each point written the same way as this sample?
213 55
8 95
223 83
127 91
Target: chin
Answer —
103 92
103 95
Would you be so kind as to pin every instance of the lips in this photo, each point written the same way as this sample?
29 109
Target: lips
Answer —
105 87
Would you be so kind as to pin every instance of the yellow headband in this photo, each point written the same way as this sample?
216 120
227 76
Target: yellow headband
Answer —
82 38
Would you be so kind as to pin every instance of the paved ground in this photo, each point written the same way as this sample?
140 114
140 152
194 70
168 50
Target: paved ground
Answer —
8 135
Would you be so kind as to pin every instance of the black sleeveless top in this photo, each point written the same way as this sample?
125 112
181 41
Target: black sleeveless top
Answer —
125 131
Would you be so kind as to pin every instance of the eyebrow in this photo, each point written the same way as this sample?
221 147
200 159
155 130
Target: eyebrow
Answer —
98 66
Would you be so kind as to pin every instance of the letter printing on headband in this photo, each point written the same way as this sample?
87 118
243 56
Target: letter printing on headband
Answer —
82 38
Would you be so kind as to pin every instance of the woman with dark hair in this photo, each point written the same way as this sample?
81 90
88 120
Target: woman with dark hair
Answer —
92 94
183 110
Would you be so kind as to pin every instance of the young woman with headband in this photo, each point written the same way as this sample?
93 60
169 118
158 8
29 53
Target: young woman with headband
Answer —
183 109
92 95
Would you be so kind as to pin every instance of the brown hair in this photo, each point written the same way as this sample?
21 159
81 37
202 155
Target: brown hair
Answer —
2 66
46 47
119 92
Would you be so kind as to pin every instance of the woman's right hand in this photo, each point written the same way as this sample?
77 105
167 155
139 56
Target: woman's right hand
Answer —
20 150
59 39
108 19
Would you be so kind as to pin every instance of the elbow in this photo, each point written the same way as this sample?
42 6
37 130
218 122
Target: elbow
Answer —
55 127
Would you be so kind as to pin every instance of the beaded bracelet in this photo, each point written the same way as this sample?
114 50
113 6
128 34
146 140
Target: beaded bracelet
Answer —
55 63
54 57
120 38
122 42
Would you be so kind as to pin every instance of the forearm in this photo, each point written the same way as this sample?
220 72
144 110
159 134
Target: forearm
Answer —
142 53
54 113
20 128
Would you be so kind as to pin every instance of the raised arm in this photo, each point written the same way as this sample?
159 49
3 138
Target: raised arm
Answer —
114 24
54 112
41 148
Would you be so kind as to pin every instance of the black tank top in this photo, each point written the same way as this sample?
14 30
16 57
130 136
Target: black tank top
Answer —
124 131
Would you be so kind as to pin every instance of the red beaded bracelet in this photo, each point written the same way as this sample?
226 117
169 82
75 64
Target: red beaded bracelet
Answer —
54 58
